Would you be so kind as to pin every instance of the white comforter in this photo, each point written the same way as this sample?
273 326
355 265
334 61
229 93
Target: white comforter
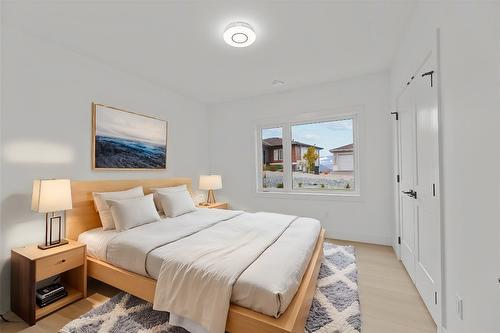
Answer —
267 285
130 248
202 269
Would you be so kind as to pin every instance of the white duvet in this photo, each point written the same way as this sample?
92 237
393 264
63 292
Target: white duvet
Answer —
266 280
202 269
130 248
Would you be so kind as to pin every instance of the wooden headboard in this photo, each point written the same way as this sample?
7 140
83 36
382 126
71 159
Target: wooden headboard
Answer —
84 216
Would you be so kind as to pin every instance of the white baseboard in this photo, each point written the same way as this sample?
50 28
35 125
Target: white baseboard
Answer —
363 238
396 248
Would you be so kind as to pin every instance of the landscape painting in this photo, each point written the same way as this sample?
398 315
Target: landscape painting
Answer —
128 141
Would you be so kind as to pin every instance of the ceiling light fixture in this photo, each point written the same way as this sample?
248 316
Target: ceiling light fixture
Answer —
239 34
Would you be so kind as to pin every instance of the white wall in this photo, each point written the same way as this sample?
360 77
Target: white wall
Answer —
232 141
46 127
470 119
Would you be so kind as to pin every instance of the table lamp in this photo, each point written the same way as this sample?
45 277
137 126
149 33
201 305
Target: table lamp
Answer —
51 196
210 183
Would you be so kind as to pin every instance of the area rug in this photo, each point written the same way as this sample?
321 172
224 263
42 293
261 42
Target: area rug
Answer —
335 307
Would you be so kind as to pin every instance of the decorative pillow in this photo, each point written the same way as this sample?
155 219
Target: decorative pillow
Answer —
103 208
131 213
165 190
176 203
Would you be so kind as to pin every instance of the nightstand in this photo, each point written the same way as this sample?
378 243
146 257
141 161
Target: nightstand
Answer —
30 265
220 205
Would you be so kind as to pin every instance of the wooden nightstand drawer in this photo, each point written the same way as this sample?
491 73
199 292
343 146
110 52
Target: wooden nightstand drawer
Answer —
59 263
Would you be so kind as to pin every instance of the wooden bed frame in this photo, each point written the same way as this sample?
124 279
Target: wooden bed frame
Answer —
84 217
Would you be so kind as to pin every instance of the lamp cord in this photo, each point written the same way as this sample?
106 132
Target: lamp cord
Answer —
5 320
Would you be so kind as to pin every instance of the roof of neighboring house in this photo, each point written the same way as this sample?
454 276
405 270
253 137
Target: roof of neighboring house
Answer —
273 142
346 148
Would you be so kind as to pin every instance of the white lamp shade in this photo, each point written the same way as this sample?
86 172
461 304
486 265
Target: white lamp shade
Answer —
51 195
212 182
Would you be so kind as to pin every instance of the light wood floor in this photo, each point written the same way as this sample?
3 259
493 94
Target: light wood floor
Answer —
389 301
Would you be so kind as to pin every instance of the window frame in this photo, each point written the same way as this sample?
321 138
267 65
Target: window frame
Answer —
286 127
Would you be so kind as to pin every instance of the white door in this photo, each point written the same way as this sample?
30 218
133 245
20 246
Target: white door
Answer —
408 204
420 226
428 232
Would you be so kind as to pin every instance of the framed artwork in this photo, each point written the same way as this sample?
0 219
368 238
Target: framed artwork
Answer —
124 140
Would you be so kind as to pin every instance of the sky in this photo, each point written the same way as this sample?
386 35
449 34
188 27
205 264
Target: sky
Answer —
126 125
327 135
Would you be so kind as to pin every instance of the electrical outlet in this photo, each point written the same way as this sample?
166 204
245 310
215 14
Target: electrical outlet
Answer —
460 307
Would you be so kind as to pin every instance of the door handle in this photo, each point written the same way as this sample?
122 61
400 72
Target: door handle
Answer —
410 193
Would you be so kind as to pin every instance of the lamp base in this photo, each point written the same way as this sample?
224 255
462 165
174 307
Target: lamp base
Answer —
49 246
211 197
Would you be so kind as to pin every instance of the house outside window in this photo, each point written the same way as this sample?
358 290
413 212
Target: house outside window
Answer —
316 156
343 158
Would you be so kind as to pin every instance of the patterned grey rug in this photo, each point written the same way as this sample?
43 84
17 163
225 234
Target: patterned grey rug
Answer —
335 307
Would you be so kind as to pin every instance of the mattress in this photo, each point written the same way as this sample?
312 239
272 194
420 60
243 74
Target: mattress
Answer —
97 241
266 286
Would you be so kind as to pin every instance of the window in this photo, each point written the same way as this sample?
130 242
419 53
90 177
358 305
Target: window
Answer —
272 159
310 157
278 154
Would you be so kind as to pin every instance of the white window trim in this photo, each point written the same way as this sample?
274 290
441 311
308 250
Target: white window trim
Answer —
286 126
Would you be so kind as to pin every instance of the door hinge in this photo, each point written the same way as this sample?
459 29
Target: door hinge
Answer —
398 179
435 297
399 240
431 73
396 114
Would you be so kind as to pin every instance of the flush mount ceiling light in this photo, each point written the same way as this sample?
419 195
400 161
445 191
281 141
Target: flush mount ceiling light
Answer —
239 34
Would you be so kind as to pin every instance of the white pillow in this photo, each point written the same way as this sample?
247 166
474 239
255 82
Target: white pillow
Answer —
103 207
165 190
176 203
131 213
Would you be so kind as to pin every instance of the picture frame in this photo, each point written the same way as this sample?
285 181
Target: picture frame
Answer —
127 141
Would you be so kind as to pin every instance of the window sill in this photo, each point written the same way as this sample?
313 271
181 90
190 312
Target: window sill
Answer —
354 196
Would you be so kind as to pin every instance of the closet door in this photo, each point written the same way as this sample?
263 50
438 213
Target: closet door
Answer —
408 204
428 232
420 220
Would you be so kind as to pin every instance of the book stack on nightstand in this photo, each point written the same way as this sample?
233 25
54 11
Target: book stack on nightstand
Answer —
31 267
219 205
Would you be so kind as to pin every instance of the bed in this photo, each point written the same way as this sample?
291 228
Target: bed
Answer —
265 309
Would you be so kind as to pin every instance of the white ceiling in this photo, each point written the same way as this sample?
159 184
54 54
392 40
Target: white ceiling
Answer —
179 45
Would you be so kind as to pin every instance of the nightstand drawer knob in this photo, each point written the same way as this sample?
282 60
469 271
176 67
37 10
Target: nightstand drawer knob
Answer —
62 261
